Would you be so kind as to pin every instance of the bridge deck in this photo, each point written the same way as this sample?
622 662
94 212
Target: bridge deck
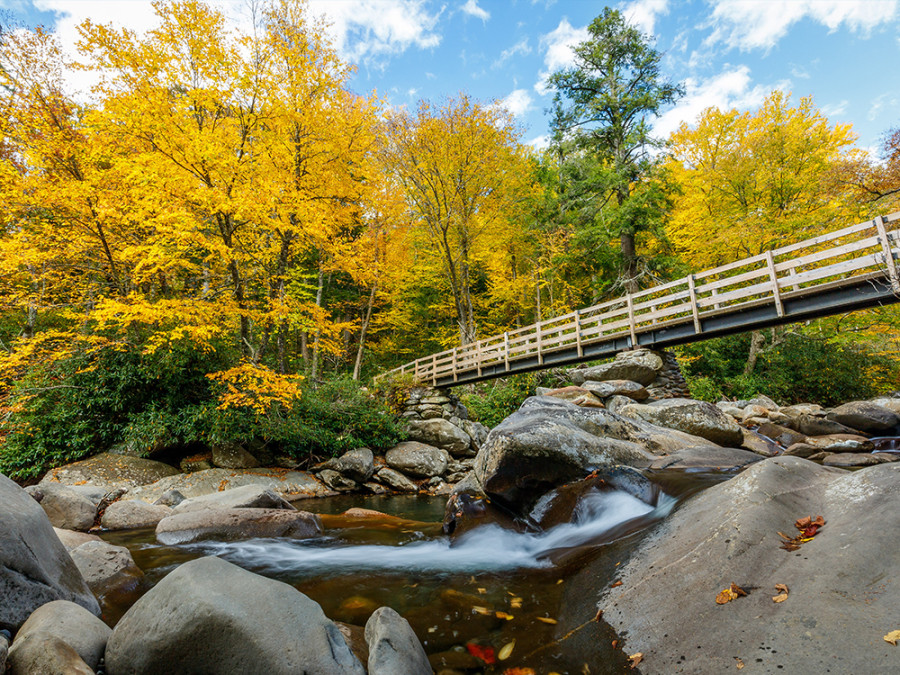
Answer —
833 273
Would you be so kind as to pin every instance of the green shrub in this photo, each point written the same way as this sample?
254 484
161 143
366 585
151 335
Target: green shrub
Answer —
495 400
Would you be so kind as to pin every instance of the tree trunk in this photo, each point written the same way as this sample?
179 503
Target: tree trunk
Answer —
757 342
362 333
629 262
314 372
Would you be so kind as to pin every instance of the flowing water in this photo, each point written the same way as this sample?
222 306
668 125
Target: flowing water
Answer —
476 593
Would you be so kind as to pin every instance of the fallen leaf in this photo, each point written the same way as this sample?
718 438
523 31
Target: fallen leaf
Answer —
780 598
481 591
635 659
893 637
486 654
782 593
515 603
506 651
616 584
615 644
519 671
546 619
781 588
598 615
484 611
726 595
803 523
503 615
739 664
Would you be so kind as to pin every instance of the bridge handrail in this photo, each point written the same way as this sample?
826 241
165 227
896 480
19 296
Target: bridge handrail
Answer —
728 287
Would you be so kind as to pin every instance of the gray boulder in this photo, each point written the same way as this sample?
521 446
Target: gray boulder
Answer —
71 539
4 650
698 418
337 481
418 459
235 524
761 445
72 624
441 434
395 480
107 469
232 456
107 569
357 465
608 388
729 534
707 457
476 431
640 365
851 459
209 616
244 497
781 434
394 648
865 416
66 508
132 513
45 655
35 567
815 425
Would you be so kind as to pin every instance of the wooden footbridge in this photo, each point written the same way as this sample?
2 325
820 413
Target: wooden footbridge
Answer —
833 273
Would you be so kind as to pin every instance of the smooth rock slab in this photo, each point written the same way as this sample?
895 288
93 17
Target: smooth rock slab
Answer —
236 524
852 459
244 497
393 646
71 539
210 617
866 416
35 567
418 459
72 624
707 457
107 469
131 513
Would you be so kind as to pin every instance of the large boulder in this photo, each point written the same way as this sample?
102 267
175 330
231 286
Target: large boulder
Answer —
548 442
865 416
45 655
235 524
209 616
393 646
66 508
841 599
357 464
641 366
608 388
816 425
698 418
35 567
108 569
72 624
132 513
107 469
72 539
232 456
442 434
244 497
395 480
418 459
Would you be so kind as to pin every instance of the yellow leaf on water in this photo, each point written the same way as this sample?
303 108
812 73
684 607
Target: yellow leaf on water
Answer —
546 619
506 650
893 637
504 615
484 611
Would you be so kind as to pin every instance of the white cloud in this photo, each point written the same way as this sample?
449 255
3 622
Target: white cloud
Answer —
518 102
750 24
642 13
471 8
539 142
729 89
835 109
521 47
558 54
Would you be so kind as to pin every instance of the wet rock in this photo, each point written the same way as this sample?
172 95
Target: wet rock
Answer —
851 459
865 416
632 390
45 655
236 524
337 481
209 616
355 637
65 508
244 497
418 459
107 469
841 443
640 365
781 434
441 434
35 567
396 480
697 418
707 457
357 464
393 646
107 569
375 488
131 513
811 425
759 444
70 623
728 534
232 456
71 539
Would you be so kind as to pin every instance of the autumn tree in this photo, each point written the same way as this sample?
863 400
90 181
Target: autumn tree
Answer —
602 115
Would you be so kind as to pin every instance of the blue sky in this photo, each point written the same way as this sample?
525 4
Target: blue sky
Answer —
729 53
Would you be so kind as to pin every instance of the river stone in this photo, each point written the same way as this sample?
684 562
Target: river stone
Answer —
841 443
65 508
244 497
813 425
568 393
396 480
35 567
608 388
170 498
889 403
72 539
548 442
45 655
357 464
72 624
132 513
441 434
759 444
640 365
287 483
418 459
232 456
851 459
842 597
865 416
697 418
209 616
236 524
337 481
107 569
110 470
476 431
393 646
707 457
781 434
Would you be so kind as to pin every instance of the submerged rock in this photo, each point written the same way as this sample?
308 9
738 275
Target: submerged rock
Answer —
209 616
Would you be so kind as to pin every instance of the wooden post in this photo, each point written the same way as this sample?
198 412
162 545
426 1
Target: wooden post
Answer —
776 292
634 343
578 332
506 350
693 292
715 292
888 254
540 344
434 369
416 369
793 273
478 356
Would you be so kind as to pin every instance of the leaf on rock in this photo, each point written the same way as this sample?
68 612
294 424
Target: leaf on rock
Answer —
782 593
726 595
616 584
893 637
739 664
635 659
506 651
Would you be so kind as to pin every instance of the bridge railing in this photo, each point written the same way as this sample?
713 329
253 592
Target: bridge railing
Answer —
841 257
